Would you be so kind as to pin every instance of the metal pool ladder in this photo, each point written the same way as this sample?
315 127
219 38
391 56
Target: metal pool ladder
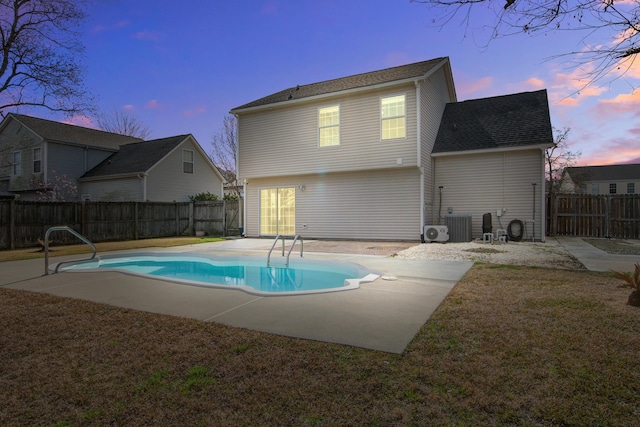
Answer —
279 237
75 233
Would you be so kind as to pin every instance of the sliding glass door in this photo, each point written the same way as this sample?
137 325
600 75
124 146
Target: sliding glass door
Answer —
278 211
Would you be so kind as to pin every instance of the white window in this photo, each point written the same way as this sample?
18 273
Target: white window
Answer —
612 188
631 187
16 164
37 160
392 113
187 161
329 126
278 211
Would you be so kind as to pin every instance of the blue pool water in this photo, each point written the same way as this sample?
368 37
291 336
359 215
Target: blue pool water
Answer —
247 273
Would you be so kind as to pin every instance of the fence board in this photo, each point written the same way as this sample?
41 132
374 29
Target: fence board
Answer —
585 215
23 223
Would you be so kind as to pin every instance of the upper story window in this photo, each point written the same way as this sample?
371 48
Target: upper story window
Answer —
392 113
187 161
329 126
612 188
595 188
37 160
16 164
631 188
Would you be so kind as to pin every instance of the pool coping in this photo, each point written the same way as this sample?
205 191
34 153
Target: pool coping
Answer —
381 315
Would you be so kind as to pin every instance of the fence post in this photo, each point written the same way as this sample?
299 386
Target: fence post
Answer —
191 226
224 218
177 213
12 224
135 221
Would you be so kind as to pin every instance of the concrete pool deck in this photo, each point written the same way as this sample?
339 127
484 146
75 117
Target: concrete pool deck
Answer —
381 315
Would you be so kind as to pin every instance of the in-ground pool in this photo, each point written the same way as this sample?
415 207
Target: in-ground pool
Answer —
250 274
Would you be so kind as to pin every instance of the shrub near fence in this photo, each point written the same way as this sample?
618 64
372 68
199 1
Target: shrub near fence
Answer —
585 215
23 223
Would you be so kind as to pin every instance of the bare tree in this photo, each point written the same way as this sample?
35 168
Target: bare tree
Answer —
123 123
558 158
223 153
611 28
41 51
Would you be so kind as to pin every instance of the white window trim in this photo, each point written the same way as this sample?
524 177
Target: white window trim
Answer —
326 127
38 160
14 163
395 117
192 161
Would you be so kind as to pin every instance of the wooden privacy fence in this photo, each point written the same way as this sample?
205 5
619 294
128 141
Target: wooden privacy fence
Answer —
585 215
23 223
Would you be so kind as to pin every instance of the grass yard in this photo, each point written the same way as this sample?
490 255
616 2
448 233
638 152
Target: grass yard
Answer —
508 346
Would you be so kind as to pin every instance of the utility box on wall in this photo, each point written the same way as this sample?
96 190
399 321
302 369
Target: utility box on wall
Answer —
459 227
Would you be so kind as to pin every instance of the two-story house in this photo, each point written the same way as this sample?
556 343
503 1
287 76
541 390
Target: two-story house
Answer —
37 155
606 179
380 155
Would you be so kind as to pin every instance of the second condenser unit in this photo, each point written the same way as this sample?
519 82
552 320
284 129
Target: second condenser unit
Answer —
459 227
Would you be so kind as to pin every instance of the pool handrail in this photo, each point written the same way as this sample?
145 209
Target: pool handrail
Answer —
282 237
295 238
75 233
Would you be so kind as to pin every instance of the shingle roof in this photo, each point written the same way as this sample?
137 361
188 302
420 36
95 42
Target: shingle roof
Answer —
62 132
498 122
135 158
387 75
605 173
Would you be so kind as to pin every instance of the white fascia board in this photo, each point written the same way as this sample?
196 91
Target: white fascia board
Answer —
492 150
326 95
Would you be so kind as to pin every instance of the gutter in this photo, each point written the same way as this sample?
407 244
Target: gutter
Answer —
490 150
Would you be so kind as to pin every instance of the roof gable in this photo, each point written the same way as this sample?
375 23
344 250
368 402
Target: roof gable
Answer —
500 122
364 80
62 132
604 173
136 158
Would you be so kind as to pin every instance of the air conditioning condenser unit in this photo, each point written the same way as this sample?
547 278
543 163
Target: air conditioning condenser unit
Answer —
435 233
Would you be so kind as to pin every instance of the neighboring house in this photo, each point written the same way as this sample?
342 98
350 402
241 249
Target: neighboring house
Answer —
608 179
35 154
364 157
167 169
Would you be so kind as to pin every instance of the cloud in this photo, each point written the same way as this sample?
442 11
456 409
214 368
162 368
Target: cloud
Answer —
147 35
154 104
617 151
271 7
468 87
128 107
194 111
81 120
535 82
624 103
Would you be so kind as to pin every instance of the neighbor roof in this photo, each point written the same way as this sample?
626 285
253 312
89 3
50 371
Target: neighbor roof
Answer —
605 173
135 158
62 132
507 121
388 75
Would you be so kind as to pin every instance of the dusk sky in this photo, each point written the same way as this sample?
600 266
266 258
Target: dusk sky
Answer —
180 67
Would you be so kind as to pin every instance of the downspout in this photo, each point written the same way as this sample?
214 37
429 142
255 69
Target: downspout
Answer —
419 153
143 179
244 181
543 201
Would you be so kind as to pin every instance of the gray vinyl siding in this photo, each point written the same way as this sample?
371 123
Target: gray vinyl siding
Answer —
380 205
72 160
434 95
481 183
284 140
166 182
128 189
16 137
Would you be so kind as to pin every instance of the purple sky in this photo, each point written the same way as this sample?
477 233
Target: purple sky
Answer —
180 69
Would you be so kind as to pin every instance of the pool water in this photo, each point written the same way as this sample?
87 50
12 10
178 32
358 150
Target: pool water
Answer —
246 273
